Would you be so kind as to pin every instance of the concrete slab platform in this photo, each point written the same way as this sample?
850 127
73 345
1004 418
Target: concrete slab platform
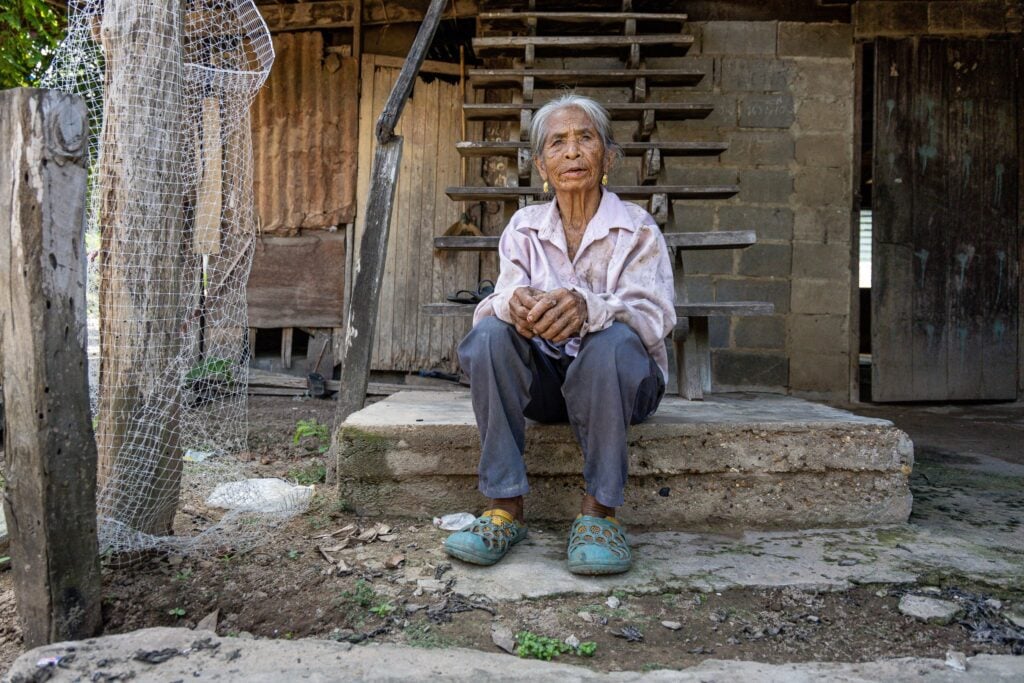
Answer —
762 461
182 655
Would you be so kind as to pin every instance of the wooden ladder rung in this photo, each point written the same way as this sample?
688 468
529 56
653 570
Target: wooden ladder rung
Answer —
630 149
520 18
632 111
494 45
461 194
506 78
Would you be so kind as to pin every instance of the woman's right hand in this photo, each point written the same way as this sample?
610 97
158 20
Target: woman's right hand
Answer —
519 306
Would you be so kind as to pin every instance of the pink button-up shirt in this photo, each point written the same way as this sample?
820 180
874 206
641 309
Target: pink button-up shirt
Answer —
622 268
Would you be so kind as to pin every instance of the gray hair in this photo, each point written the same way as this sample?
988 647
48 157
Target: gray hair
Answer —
594 111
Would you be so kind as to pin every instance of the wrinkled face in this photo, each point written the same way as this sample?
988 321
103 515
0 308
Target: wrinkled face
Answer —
573 157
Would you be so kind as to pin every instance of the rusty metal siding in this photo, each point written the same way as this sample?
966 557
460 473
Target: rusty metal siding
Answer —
305 127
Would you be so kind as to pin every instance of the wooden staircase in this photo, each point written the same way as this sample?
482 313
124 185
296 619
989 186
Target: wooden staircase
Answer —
528 36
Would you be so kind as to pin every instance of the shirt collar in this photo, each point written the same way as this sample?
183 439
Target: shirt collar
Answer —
611 213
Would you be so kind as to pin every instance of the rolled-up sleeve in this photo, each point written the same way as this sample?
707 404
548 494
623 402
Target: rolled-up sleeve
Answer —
641 296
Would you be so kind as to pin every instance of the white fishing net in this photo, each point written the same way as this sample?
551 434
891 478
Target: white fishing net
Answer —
169 84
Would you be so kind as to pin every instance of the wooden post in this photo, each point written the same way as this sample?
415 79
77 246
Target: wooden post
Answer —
362 315
50 452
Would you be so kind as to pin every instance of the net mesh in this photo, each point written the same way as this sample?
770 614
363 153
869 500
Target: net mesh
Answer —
169 85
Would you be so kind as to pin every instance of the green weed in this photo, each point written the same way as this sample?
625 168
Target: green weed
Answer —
532 646
311 428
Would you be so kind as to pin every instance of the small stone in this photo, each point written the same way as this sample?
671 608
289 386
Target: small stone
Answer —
1016 618
813 619
718 616
501 635
882 593
930 610
573 642
613 602
430 585
994 604
672 625
848 562
930 590
209 622
586 616
413 608
956 660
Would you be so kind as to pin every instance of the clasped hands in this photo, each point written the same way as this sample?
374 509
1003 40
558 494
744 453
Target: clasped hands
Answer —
555 315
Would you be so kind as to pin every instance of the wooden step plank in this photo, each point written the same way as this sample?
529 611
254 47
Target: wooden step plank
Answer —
630 149
683 310
688 241
513 78
580 17
631 111
626 111
489 46
470 194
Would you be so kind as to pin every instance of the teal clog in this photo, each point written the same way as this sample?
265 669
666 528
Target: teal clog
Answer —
486 540
597 545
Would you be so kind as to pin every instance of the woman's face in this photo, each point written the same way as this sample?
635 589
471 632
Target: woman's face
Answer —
573 156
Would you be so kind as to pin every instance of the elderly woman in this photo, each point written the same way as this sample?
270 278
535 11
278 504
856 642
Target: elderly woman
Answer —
574 332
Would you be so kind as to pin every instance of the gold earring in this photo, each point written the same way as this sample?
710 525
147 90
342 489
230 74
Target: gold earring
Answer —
546 190
604 180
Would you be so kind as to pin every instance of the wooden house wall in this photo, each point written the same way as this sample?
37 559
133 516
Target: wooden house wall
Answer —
415 274
305 133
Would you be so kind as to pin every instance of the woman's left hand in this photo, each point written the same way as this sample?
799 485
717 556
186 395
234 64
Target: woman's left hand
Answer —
558 315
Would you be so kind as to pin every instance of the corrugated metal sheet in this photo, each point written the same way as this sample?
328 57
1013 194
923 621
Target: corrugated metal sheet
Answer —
305 129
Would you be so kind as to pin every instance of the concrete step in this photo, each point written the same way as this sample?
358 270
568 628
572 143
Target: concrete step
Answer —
730 461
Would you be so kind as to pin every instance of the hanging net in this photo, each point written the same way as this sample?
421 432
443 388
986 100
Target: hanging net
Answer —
169 86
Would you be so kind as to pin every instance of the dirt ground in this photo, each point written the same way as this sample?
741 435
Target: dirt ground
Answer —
393 588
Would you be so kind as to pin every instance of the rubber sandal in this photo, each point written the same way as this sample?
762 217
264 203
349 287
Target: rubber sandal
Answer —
597 545
464 296
487 539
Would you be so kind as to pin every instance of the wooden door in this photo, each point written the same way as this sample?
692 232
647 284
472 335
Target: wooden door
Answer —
946 208
415 273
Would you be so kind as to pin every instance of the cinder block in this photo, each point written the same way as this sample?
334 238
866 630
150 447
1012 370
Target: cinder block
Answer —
746 74
695 288
815 260
953 18
814 333
986 17
718 333
691 61
824 80
759 148
763 332
889 18
823 225
823 187
828 149
739 37
687 217
766 260
765 187
821 116
815 40
776 292
770 223
722 116
707 262
681 174
821 296
749 370
766 111
820 373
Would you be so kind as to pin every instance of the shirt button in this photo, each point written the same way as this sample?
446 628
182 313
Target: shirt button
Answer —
574 280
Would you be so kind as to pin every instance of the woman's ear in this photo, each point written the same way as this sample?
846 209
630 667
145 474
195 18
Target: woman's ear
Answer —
540 169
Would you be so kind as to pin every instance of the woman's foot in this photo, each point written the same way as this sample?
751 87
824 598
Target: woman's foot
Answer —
597 542
491 535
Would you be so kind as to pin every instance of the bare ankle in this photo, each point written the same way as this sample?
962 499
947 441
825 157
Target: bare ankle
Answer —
593 508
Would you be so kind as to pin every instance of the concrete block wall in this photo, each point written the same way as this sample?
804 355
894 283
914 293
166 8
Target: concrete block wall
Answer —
784 100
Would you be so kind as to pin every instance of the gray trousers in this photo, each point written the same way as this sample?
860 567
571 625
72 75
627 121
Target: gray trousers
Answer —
612 383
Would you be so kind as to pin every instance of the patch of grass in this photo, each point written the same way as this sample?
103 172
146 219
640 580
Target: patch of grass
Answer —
425 635
315 430
183 575
364 595
532 646
313 473
383 609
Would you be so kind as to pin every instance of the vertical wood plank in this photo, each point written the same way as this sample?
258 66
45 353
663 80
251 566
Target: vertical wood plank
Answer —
211 183
49 448
287 334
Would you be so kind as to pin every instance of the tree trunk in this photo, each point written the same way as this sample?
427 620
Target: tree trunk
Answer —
146 264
